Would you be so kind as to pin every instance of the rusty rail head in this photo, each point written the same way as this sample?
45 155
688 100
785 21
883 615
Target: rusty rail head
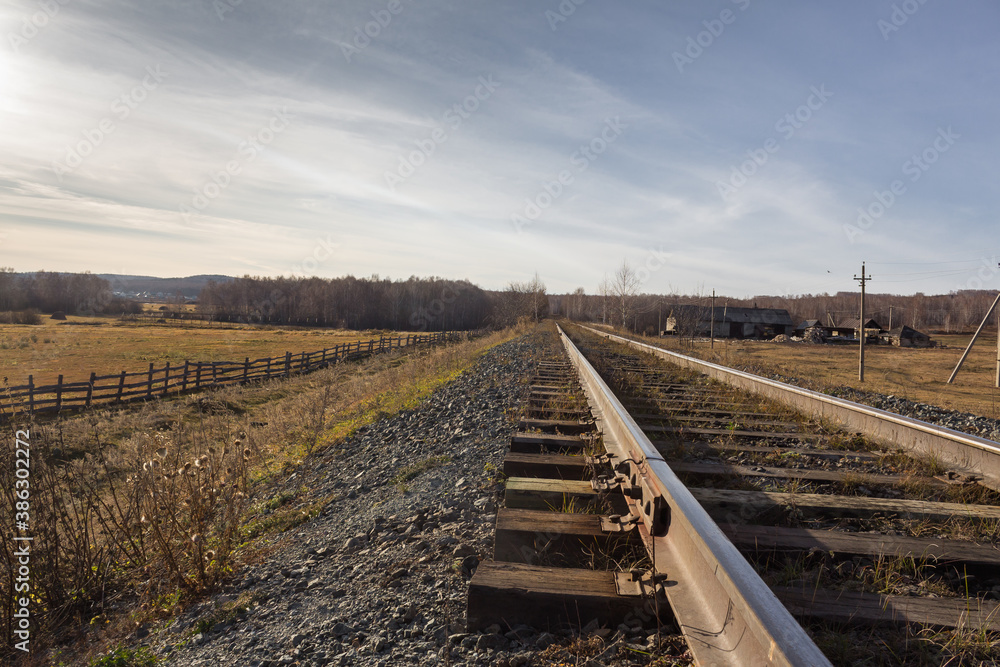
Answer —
727 613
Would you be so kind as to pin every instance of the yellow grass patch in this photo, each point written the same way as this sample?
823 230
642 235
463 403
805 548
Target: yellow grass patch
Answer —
104 345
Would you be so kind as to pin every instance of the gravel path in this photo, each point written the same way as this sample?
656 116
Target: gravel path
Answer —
380 577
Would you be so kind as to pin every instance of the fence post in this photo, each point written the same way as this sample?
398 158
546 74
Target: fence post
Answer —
288 364
149 382
59 394
166 379
184 380
90 389
121 387
246 368
31 394
215 368
304 363
197 374
322 360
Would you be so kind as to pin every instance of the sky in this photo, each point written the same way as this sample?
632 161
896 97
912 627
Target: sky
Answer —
731 145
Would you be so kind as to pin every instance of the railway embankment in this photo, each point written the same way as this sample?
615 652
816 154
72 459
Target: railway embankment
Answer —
380 576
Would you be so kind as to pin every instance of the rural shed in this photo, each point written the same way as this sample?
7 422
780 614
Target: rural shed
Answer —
849 328
806 325
905 336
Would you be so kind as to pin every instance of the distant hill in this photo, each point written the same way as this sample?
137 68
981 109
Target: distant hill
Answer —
189 286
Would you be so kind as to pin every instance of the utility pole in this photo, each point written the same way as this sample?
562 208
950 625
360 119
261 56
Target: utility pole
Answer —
861 324
890 318
711 327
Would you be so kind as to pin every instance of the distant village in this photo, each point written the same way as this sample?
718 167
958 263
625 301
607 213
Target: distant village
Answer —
156 297
776 324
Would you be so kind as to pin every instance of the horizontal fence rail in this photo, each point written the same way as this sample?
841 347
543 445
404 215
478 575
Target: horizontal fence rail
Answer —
962 450
156 382
727 613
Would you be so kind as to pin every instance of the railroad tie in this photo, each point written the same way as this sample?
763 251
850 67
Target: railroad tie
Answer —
550 523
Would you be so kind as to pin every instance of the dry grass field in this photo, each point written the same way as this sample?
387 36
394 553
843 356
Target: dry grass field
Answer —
105 345
154 307
918 375
242 442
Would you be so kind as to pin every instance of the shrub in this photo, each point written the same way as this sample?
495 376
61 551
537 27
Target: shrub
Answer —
29 316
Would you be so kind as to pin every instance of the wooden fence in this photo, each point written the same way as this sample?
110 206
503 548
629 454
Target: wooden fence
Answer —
192 376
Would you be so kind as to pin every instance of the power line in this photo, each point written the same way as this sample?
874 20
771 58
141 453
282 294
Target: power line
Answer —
953 261
928 273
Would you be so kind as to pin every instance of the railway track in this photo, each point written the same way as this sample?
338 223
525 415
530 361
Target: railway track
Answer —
751 528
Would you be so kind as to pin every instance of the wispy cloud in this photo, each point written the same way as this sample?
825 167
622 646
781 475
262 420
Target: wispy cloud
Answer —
129 203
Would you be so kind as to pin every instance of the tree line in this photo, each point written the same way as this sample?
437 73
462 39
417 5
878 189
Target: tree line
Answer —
957 311
436 304
71 293
414 304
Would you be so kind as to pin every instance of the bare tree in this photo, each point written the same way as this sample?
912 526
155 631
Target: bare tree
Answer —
576 304
625 287
518 301
538 299
604 290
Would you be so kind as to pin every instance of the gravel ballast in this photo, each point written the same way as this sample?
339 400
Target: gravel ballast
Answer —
380 577
957 420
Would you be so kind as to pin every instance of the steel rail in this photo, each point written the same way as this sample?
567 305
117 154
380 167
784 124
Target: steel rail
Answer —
726 612
962 450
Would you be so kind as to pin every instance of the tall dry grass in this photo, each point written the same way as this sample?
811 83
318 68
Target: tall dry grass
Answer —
120 523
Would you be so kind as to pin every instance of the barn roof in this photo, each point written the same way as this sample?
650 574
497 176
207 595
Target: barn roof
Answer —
852 323
754 315
737 315
906 331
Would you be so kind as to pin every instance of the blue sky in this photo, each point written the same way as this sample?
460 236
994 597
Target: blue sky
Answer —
730 145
